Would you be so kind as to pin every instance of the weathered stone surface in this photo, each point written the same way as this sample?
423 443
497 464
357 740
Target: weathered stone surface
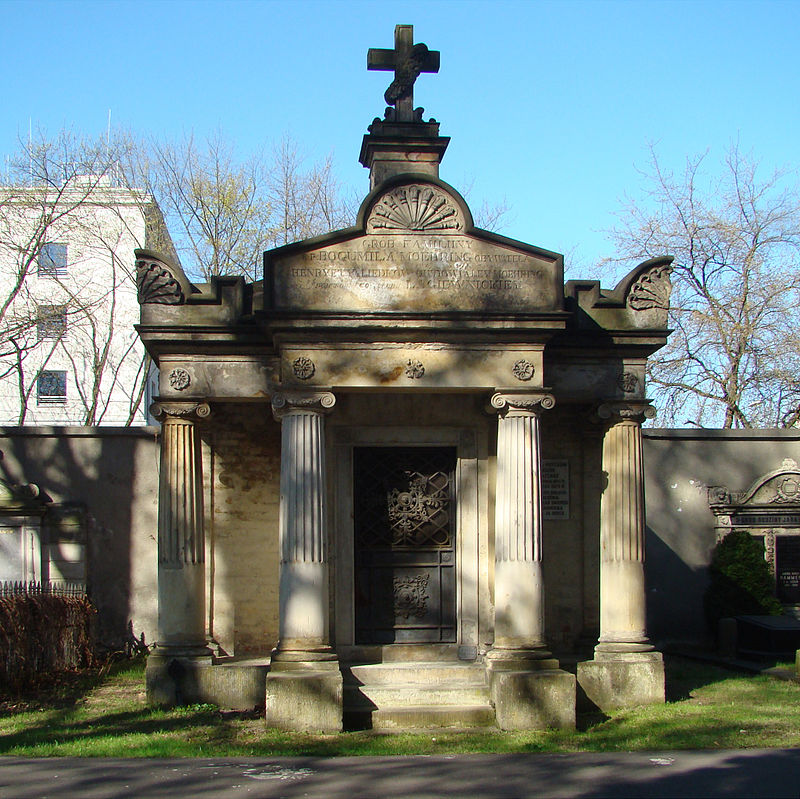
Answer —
415 272
622 680
172 682
533 700
304 700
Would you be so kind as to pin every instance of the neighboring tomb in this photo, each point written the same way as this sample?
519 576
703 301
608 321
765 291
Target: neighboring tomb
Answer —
408 464
770 511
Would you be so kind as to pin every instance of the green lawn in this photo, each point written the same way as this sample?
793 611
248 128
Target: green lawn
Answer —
107 716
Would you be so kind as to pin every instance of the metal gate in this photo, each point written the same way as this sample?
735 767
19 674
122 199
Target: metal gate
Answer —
404 523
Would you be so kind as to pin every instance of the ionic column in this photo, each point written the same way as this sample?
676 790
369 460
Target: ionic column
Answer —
622 588
181 541
519 585
303 596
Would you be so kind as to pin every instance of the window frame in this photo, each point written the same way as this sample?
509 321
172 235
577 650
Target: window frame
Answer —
48 266
41 382
51 322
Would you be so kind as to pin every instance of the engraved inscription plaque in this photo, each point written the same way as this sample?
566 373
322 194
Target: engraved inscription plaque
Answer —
413 273
555 489
787 568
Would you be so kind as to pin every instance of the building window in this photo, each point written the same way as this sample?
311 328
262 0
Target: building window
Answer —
53 260
51 321
51 388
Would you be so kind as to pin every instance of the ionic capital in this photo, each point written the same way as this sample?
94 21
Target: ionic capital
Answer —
522 404
293 402
190 411
626 411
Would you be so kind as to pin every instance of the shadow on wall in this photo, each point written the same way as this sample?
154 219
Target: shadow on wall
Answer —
113 472
680 465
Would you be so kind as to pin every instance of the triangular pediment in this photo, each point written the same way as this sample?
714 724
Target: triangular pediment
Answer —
414 250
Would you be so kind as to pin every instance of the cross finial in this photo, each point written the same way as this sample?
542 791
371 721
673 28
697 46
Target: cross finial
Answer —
407 60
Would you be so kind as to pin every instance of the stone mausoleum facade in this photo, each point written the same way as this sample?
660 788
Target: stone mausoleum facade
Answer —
401 476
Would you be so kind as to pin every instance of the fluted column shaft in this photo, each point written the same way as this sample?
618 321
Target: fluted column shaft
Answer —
519 585
303 593
181 539
622 587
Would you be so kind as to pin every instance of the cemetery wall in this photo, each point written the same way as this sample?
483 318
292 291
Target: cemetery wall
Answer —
113 472
679 467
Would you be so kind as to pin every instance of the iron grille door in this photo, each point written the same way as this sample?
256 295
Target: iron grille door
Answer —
404 520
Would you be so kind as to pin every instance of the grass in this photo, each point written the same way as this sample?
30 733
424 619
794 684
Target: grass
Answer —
105 715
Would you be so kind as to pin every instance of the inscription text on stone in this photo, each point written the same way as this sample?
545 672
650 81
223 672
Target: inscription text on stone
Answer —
404 272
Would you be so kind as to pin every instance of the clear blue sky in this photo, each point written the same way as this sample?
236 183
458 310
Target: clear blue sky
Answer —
550 105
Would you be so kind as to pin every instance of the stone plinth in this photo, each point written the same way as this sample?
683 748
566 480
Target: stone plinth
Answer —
622 680
533 700
305 699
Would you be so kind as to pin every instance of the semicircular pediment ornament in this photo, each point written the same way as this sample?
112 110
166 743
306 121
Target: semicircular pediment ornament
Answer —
415 208
155 283
651 290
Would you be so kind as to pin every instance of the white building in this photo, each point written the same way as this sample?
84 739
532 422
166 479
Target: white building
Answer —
69 354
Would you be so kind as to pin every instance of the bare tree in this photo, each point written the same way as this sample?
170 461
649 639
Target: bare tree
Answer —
67 189
224 211
733 359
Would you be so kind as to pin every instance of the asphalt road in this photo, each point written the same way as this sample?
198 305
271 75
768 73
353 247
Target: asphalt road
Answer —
739 773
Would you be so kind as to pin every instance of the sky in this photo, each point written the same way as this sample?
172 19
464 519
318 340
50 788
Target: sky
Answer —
552 107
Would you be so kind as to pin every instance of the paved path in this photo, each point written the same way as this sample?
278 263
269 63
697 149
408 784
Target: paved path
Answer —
740 773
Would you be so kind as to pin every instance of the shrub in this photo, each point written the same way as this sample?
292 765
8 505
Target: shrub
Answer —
741 582
43 634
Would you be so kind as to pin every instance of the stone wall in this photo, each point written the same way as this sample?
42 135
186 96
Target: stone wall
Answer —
679 467
113 472
242 463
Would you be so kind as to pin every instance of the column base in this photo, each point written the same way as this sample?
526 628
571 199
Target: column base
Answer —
617 679
509 659
171 675
529 691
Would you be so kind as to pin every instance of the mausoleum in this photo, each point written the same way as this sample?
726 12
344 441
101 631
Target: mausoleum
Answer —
401 476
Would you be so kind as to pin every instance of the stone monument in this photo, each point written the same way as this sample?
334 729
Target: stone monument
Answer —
418 455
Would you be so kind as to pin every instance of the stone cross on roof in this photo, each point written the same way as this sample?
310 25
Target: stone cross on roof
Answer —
407 60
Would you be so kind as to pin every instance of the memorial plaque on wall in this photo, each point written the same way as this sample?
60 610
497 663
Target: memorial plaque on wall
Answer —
555 489
787 568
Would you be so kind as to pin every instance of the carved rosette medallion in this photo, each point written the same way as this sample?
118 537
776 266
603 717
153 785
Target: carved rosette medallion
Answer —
628 382
302 401
651 290
508 404
303 367
181 410
416 208
523 370
156 285
410 597
613 412
179 379
414 369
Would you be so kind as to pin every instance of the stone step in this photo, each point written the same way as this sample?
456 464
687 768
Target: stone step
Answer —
421 717
402 694
418 673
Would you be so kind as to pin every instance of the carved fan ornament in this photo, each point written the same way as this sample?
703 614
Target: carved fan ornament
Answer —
416 209
156 285
651 290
